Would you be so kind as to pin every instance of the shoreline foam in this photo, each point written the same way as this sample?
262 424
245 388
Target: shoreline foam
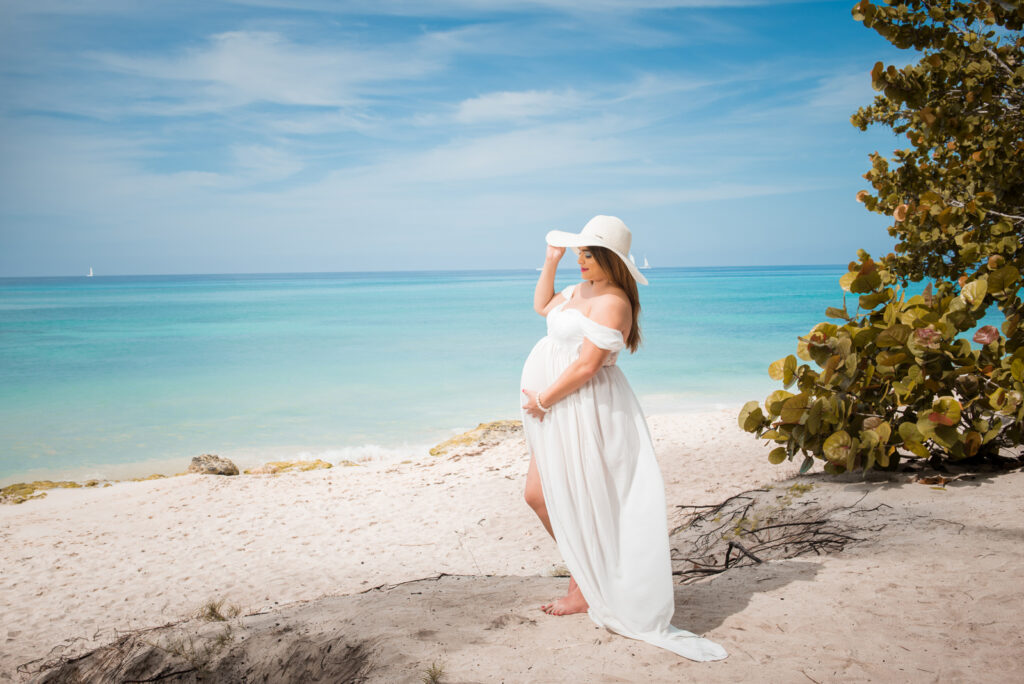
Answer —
243 458
251 457
402 448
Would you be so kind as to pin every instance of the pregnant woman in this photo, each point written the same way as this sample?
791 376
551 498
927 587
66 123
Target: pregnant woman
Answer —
593 479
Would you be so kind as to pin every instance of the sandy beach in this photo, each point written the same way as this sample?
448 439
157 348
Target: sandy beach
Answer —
929 591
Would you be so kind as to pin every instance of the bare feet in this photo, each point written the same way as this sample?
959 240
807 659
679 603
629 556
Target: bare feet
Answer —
572 602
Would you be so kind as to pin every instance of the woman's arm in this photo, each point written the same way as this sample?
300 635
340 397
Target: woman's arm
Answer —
544 295
576 374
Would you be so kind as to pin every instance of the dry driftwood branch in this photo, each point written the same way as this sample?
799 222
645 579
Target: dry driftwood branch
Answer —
754 527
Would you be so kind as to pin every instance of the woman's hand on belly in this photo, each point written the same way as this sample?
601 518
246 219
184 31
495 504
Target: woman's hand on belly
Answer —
531 405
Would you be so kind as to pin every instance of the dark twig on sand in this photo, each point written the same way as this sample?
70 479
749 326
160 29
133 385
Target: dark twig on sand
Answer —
740 547
175 673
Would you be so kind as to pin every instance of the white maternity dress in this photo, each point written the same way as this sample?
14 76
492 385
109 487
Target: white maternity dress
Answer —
603 488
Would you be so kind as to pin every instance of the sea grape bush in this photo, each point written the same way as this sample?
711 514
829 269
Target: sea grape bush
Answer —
897 378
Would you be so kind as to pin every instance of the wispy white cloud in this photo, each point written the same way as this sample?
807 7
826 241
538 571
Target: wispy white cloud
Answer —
716 191
264 164
656 85
241 67
531 153
302 123
417 8
517 106
410 7
70 7
322 86
642 99
843 91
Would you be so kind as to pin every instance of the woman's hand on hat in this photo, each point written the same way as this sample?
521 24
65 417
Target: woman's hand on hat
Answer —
554 253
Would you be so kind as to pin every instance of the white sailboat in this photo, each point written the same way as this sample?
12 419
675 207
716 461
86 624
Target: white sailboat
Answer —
632 259
90 273
646 265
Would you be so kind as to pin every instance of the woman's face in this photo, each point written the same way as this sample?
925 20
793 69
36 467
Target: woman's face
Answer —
589 268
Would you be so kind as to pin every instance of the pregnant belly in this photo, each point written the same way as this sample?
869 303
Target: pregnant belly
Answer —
545 363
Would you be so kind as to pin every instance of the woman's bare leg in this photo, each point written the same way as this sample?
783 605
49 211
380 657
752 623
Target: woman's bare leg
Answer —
573 601
535 496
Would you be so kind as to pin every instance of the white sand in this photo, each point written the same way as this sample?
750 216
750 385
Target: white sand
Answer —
82 564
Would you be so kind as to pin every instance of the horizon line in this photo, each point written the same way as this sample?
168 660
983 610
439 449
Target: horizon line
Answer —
450 270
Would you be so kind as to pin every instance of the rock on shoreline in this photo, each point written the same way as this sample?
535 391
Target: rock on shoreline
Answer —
211 464
481 437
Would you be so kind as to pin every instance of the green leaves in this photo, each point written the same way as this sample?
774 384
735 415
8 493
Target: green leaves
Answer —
974 292
945 411
1000 279
898 377
888 358
751 418
865 279
913 439
870 301
784 369
893 336
861 11
833 312
838 446
792 411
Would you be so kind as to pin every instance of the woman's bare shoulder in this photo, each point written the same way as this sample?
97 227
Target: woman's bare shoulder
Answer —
612 309
614 297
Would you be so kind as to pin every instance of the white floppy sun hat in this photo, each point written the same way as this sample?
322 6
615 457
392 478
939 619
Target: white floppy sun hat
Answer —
601 231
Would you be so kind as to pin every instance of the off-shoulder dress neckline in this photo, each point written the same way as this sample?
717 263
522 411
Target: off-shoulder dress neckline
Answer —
563 307
572 293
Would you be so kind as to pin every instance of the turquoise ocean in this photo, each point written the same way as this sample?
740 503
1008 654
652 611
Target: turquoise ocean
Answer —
126 375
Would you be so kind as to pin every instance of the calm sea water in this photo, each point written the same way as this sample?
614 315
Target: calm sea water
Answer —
99 373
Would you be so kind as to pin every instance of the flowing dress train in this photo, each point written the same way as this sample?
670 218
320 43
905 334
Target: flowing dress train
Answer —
603 489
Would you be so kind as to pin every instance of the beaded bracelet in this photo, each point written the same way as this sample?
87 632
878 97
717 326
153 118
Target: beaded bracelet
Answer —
540 405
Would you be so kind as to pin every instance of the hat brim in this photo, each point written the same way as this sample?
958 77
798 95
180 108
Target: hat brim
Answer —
560 238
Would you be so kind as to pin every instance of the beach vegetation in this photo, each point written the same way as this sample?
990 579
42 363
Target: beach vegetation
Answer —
218 610
277 467
433 674
793 492
196 650
893 374
21 492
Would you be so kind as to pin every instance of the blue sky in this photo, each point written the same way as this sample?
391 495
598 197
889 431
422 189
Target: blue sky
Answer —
145 137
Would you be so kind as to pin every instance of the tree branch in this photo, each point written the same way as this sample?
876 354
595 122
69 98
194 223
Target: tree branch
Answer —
992 53
1009 216
958 203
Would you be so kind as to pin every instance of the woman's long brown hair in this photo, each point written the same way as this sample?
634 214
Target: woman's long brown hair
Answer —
611 264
